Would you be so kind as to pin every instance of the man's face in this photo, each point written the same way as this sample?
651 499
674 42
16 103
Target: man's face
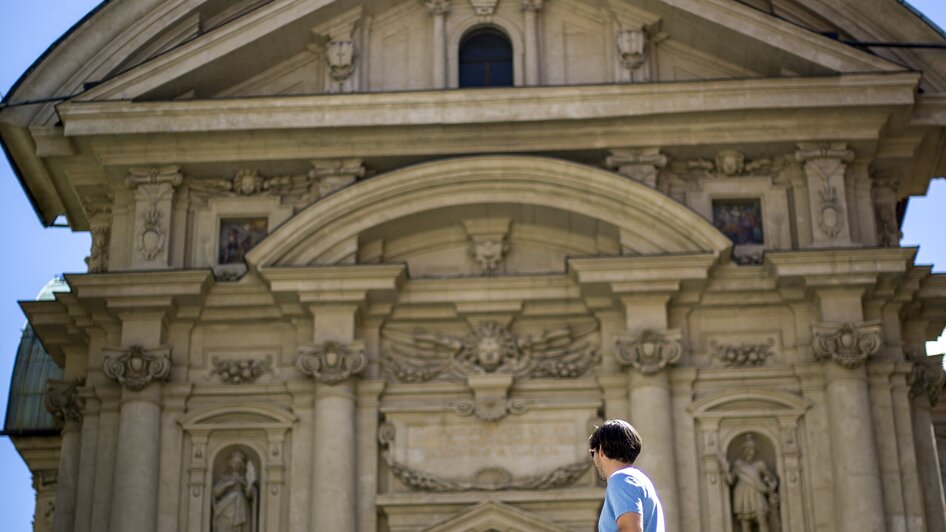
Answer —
596 458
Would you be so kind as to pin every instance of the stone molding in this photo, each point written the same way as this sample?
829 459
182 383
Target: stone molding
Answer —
490 478
136 367
650 351
62 400
849 344
332 362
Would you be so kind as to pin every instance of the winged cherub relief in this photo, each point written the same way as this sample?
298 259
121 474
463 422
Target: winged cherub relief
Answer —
488 348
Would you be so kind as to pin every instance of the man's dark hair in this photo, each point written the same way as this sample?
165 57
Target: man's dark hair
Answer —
618 440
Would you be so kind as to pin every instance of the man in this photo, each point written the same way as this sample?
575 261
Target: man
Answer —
630 501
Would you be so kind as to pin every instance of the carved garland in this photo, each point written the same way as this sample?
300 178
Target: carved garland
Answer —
241 371
849 344
744 354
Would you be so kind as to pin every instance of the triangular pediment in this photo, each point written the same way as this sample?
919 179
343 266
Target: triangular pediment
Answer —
492 515
287 47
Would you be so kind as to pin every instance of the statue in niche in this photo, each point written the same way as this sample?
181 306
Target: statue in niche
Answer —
234 496
754 489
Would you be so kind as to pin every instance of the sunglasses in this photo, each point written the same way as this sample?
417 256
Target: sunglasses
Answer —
592 452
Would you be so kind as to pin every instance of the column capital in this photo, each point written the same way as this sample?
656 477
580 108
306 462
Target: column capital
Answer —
640 164
332 362
814 151
847 344
437 7
650 351
155 175
63 402
533 6
927 378
135 367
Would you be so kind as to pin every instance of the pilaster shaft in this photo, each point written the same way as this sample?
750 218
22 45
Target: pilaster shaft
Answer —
530 11
438 10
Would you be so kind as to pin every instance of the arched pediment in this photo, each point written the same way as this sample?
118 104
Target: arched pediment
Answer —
237 415
648 222
749 403
494 515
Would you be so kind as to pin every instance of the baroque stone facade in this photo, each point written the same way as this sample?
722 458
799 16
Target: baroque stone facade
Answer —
325 294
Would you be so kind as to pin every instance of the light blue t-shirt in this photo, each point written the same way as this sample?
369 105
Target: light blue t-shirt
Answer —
629 490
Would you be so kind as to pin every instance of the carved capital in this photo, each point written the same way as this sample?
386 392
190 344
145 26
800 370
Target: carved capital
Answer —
650 351
632 48
332 362
484 9
340 57
848 345
62 400
437 7
531 5
136 367
156 175
336 174
837 152
641 165
927 378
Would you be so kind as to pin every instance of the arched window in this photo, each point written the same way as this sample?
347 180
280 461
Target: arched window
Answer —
485 59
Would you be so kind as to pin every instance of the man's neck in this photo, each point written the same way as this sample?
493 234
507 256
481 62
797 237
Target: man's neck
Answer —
613 466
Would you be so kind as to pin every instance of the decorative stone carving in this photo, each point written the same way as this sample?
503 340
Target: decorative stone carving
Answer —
927 377
437 7
340 57
531 5
484 9
136 367
728 163
885 194
490 401
641 165
332 362
632 48
650 351
491 478
744 354
97 261
62 400
241 371
489 348
754 488
336 174
488 242
848 344
154 191
234 496
825 166
386 433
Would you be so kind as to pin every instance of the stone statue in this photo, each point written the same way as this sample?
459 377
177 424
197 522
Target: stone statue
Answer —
754 488
234 496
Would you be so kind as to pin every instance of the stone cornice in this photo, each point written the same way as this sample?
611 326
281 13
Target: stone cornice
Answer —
335 284
643 272
519 104
141 286
834 266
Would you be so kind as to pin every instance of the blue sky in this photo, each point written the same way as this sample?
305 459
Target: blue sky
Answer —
36 254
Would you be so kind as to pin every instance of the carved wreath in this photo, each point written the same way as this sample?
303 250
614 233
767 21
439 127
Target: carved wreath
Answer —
489 348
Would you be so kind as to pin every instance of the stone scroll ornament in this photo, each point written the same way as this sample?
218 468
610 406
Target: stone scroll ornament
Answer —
489 348
62 400
490 478
849 344
332 362
651 351
136 367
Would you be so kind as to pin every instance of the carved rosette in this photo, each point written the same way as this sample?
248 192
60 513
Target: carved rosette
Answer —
651 351
332 362
927 378
848 345
136 367
62 400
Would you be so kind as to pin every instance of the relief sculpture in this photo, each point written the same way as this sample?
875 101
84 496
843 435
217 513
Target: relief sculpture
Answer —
234 496
754 489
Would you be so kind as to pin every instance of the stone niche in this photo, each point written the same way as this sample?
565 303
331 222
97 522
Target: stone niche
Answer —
261 434
773 421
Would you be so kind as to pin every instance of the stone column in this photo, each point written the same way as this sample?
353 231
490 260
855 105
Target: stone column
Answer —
369 392
845 344
334 362
530 12
154 195
926 387
135 489
640 164
825 166
647 352
438 9
62 401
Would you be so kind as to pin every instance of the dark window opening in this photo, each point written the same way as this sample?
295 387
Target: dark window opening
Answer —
486 59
